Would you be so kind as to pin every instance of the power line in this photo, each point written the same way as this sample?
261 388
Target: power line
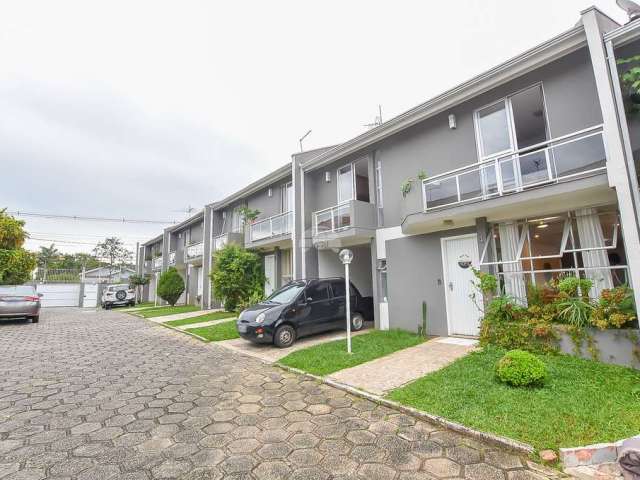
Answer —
70 241
92 219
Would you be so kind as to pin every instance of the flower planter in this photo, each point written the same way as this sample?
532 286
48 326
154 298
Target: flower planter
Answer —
616 346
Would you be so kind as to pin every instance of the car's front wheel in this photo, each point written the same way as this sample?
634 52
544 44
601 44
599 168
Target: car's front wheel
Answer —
285 336
357 322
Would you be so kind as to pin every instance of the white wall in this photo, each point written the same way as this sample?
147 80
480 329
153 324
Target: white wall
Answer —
329 265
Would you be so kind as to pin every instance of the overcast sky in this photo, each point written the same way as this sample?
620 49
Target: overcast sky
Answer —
139 109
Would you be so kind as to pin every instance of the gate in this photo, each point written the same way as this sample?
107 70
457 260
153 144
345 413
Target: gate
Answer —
90 297
59 294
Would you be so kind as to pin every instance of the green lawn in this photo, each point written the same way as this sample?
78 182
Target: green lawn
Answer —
583 402
218 332
332 356
167 310
145 305
207 317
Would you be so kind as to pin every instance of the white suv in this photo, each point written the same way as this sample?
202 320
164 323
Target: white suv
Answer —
115 295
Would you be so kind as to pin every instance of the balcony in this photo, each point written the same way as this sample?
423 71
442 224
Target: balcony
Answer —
271 231
194 252
220 241
564 173
157 263
172 259
350 223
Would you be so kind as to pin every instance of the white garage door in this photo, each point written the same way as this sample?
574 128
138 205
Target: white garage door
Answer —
60 294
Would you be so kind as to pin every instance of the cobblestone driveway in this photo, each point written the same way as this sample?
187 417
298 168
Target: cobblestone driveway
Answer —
106 395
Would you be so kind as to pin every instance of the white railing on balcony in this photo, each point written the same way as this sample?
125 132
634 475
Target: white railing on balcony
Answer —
193 251
157 263
332 219
271 227
568 156
172 258
220 241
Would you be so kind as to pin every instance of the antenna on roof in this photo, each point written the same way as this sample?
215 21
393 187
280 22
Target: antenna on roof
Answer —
302 138
376 121
187 211
631 7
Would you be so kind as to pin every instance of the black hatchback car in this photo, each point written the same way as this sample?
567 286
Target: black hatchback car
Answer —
302 308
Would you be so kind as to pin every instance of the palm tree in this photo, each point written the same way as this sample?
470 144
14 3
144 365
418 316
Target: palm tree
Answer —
46 257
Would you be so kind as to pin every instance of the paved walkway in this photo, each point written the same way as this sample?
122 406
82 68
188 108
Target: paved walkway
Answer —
271 354
205 324
110 396
384 374
181 316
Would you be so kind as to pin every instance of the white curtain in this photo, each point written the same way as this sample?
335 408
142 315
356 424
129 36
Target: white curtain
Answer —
590 235
514 284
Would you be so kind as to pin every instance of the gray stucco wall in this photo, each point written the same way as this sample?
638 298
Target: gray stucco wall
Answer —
572 105
414 266
268 206
196 232
329 265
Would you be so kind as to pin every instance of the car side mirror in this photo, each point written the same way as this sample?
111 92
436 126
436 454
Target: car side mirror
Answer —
41 295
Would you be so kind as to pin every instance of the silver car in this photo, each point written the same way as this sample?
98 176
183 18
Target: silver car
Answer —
19 301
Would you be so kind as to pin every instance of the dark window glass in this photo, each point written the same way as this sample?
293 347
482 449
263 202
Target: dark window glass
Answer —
318 291
338 288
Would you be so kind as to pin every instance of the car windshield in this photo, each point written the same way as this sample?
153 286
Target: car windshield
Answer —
286 294
17 290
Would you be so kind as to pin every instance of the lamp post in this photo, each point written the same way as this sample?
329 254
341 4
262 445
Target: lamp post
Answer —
346 256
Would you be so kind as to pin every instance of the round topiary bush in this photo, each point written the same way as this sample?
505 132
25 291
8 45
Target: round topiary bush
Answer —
521 369
170 286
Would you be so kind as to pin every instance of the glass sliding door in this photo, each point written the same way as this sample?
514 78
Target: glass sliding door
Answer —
494 130
345 184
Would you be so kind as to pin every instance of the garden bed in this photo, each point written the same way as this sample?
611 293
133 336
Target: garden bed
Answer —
583 401
330 357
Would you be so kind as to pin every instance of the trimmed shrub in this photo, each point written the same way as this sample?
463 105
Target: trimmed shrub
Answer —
237 277
520 369
170 286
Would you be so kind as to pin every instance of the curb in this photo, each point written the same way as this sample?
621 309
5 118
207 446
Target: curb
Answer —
175 329
456 427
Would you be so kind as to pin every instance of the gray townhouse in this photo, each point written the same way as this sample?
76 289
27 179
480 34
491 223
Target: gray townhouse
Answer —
520 171
527 170
149 262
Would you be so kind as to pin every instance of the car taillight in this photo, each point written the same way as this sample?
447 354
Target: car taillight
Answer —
31 299
131 291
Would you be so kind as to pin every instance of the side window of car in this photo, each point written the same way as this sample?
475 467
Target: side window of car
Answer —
338 289
318 291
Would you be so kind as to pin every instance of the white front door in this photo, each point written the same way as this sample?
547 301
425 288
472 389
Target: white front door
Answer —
463 316
270 273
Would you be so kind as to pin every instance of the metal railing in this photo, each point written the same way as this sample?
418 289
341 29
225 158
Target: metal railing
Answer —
220 241
157 263
271 227
172 258
571 155
193 251
332 219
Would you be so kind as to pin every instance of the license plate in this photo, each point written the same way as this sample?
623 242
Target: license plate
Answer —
242 328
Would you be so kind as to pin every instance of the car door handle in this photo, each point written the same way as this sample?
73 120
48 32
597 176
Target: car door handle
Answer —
451 286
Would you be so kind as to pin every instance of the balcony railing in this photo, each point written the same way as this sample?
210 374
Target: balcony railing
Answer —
220 241
271 227
193 251
555 160
157 263
172 258
332 219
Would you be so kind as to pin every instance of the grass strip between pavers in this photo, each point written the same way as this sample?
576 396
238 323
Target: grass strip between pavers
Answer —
218 332
166 310
207 317
583 401
330 357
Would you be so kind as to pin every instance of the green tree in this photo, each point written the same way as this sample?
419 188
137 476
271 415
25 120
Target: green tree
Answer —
170 286
237 276
16 264
48 257
113 252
